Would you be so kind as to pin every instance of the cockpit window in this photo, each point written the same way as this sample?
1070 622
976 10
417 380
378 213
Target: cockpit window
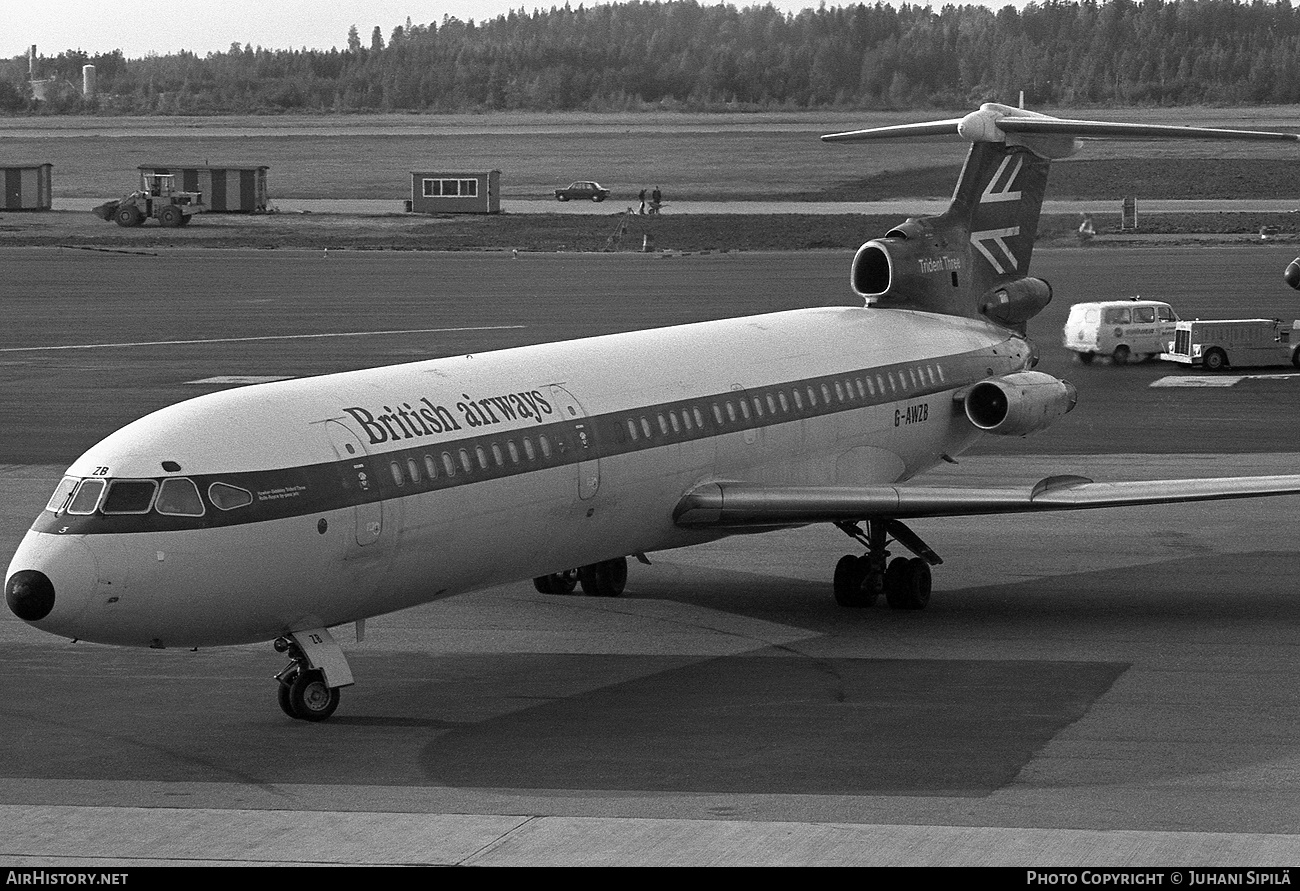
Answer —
62 493
179 497
87 497
228 497
129 496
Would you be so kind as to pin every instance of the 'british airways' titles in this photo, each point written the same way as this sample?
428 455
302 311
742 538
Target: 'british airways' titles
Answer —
427 418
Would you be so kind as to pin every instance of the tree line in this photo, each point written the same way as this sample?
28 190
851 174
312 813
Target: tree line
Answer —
680 54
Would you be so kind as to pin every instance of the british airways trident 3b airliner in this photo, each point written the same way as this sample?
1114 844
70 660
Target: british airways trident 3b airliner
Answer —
280 511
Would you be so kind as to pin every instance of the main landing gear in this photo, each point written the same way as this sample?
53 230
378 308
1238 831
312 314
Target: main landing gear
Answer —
604 579
905 581
309 684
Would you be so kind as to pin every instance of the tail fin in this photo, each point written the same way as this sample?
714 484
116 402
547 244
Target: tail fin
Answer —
973 259
994 212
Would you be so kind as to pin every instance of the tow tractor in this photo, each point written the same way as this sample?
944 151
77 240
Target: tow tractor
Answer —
1216 344
158 199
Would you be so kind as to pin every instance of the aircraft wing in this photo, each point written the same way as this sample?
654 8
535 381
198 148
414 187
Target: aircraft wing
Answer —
738 505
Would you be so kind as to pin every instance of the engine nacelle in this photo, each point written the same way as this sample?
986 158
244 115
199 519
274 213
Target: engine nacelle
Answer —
910 262
1016 302
1018 404
1292 274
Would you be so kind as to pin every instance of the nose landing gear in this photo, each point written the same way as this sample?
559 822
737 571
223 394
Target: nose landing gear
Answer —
309 685
905 582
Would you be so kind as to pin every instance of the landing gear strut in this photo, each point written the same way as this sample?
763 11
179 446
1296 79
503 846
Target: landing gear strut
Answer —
557 582
905 581
604 579
309 685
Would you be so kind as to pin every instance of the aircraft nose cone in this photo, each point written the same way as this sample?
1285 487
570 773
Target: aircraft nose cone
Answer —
30 595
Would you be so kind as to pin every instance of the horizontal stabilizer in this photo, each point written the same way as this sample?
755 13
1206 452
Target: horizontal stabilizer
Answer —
1105 130
721 505
929 128
1004 123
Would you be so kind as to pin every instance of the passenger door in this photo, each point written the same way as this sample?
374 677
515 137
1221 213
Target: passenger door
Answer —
359 482
582 437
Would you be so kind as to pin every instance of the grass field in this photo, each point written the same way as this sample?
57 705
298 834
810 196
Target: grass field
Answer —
701 156
691 156
566 232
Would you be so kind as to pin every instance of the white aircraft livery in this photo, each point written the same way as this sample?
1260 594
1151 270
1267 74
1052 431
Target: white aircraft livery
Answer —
281 510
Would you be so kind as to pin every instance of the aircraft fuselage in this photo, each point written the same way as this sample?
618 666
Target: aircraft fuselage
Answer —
320 501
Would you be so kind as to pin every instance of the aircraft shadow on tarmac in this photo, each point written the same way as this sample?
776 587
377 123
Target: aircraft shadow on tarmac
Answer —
795 718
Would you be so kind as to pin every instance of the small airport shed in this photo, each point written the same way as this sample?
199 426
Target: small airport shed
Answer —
225 189
27 187
453 192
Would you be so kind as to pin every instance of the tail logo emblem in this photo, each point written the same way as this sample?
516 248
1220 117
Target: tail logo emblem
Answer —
1000 189
992 193
997 237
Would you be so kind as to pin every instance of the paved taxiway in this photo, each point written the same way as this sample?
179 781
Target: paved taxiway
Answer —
1111 687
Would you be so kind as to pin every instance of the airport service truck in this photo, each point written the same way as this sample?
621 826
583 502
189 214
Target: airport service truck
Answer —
1216 344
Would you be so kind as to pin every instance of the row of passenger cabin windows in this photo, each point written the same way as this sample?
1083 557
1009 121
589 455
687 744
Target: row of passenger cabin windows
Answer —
777 402
471 459
175 497
687 419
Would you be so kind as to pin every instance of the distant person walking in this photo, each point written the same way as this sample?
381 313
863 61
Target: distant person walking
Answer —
1086 229
656 200
642 197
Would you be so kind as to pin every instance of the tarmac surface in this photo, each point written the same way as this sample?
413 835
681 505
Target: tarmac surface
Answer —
1096 688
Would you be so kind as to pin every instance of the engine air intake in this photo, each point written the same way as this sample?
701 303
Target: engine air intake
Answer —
872 270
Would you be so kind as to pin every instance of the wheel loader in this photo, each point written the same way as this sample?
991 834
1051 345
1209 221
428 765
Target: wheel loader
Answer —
156 199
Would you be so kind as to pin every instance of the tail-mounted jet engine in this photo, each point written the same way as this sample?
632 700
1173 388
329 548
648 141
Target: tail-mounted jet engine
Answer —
912 259
1292 274
1016 302
915 266
1018 404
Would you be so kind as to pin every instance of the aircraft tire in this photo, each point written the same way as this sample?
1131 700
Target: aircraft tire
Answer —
850 586
310 698
604 579
557 582
282 696
907 583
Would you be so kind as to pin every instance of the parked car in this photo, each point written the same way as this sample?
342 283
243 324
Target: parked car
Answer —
583 189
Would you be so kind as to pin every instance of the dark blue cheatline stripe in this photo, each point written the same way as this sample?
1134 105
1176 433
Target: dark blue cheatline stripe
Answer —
319 488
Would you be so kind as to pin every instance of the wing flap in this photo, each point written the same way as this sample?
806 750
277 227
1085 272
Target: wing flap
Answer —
742 505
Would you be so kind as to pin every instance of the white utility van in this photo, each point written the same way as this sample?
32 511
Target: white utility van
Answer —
1124 330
